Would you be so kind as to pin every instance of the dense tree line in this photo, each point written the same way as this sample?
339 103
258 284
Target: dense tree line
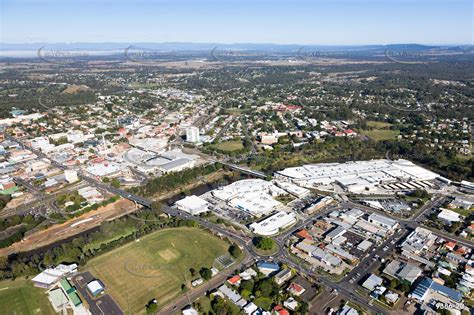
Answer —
24 223
173 180
77 250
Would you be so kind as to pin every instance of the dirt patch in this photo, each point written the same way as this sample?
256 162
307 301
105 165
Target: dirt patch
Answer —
71 89
168 255
71 227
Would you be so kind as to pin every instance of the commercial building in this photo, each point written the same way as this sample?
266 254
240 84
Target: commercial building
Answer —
295 190
193 205
70 176
372 282
177 165
166 161
104 169
273 224
418 240
319 204
335 233
326 257
338 251
382 221
192 135
364 245
254 196
403 271
155 145
91 194
358 176
425 290
449 216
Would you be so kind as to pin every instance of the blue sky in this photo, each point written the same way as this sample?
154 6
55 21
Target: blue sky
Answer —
331 22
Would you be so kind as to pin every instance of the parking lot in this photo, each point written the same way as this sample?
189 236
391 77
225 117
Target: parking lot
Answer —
102 305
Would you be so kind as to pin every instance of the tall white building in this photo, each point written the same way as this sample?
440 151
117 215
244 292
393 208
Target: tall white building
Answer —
71 176
192 135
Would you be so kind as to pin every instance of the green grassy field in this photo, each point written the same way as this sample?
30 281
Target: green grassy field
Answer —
235 111
380 134
378 124
155 266
21 297
229 145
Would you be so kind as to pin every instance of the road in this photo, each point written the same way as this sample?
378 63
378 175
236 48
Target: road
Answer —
240 168
201 290
343 287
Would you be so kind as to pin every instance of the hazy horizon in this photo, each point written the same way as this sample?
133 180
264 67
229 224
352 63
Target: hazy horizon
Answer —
301 22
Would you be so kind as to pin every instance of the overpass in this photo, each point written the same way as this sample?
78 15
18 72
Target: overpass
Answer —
241 169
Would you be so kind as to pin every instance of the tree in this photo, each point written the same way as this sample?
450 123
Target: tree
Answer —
304 308
264 243
223 307
115 183
404 286
266 287
156 206
205 273
394 283
247 285
152 307
192 271
235 251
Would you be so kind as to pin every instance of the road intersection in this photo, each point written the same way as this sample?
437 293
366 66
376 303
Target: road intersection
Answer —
345 287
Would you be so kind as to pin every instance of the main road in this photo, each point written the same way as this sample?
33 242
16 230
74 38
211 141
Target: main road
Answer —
343 287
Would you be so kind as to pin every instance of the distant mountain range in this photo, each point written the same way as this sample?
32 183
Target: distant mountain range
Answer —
33 50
